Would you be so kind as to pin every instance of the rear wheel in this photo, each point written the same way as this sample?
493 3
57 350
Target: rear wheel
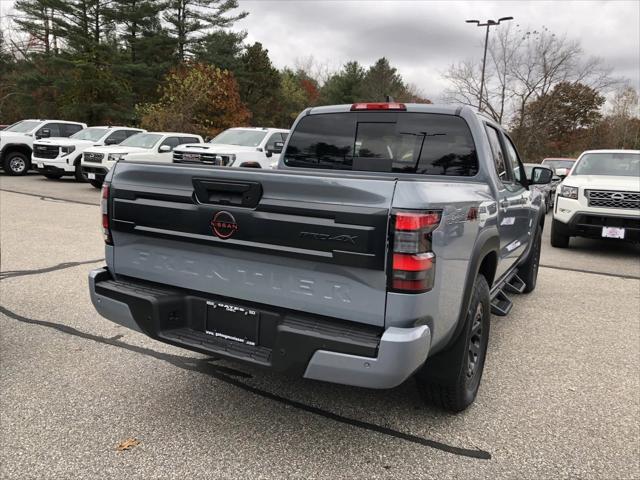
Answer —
558 238
16 163
464 359
528 271
96 183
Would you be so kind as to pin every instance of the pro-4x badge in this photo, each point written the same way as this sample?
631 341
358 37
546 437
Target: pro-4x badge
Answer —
223 225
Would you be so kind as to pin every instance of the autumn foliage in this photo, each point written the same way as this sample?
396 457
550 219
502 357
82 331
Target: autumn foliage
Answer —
197 98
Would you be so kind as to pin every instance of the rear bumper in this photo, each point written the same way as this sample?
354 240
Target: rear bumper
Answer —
310 346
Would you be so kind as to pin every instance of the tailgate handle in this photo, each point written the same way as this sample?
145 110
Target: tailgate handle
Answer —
223 192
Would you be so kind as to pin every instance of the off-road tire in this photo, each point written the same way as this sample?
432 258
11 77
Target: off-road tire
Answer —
528 271
465 357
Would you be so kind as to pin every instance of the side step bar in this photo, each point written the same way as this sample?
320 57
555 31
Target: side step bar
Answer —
501 304
515 284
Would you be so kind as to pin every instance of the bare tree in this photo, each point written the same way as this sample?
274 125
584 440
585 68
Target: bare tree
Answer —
522 66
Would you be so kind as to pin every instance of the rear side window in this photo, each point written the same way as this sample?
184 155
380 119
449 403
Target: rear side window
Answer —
117 137
498 154
68 129
424 143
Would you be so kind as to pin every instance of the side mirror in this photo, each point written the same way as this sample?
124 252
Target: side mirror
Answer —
44 133
540 176
164 148
277 148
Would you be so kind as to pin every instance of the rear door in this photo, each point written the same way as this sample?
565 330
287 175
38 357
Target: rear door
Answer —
310 242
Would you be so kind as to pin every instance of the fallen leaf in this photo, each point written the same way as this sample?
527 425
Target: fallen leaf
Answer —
127 444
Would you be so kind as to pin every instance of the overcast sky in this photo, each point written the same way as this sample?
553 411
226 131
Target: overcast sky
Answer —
422 38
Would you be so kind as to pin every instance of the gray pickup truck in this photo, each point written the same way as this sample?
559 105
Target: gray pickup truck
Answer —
377 250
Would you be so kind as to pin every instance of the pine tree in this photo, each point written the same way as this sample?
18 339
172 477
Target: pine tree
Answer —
344 86
259 84
382 80
138 19
191 20
36 18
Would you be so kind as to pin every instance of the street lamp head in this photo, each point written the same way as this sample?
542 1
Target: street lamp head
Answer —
504 19
473 21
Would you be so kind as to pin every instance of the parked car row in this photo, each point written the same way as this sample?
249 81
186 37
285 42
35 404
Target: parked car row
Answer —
57 148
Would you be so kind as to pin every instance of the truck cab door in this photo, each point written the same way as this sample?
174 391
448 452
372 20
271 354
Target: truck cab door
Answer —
525 214
509 205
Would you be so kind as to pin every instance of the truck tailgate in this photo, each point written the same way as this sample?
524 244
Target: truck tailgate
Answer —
315 243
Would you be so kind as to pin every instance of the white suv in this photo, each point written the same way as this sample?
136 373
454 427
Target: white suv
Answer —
237 147
16 141
148 146
600 198
55 157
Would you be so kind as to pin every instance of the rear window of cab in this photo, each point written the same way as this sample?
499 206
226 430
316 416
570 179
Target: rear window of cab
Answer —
418 143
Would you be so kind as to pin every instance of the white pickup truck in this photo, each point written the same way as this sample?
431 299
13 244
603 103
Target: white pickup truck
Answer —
599 198
56 157
237 147
16 141
148 146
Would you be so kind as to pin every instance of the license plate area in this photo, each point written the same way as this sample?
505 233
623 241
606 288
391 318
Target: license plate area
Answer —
91 176
613 232
232 322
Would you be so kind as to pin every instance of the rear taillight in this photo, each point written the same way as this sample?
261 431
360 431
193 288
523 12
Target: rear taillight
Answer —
104 207
413 264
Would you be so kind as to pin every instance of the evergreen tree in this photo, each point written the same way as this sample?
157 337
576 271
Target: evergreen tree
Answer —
344 86
84 25
36 19
191 20
382 80
137 18
259 84
221 48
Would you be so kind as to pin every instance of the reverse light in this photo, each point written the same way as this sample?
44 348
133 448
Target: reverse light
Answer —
413 261
104 207
378 106
569 192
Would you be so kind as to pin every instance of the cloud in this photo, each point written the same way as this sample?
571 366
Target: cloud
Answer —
422 39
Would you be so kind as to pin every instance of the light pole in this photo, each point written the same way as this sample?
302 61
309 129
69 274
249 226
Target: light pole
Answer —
488 23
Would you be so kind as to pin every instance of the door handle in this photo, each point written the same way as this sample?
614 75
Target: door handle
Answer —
504 204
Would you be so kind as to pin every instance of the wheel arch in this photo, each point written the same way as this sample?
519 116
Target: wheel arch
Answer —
16 147
484 259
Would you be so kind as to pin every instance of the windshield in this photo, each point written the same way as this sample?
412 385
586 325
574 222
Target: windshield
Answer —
23 127
93 133
142 140
553 164
243 138
618 164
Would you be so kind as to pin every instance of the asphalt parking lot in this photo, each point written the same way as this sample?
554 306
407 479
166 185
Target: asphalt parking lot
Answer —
559 396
